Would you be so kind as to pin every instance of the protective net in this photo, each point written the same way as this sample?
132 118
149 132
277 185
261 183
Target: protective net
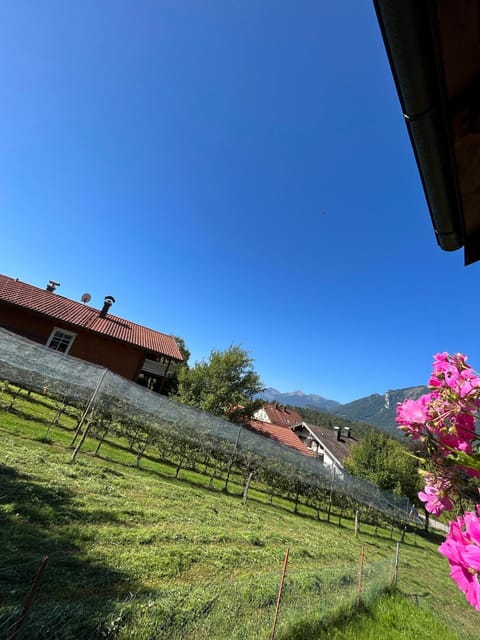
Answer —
311 599
85 398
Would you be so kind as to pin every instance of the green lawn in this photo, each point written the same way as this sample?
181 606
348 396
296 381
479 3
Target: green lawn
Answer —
135 553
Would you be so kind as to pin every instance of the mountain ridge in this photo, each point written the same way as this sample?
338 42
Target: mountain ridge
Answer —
379 409
376 409
297 398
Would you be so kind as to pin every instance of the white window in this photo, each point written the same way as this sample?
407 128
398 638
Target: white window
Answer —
61 340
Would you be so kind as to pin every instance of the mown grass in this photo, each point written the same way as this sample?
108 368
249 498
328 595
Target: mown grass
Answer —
392 617
134 553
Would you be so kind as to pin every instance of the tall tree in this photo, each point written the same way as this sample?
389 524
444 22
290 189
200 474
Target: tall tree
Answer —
224 385
385 462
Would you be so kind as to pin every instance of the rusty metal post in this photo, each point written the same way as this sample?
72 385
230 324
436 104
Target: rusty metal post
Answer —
27 603
279 597
360 574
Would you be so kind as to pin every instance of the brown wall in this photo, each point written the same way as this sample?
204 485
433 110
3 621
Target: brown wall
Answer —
119 358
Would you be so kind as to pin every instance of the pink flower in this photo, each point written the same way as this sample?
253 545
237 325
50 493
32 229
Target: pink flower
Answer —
452 373
445 421
451 429
445 417
438 489
462 550
412 415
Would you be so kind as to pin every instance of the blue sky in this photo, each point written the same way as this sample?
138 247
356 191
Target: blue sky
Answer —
232 172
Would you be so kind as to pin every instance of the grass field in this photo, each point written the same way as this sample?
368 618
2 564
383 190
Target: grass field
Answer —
135 553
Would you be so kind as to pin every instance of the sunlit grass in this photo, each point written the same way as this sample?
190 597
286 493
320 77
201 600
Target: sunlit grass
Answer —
135 553
397 617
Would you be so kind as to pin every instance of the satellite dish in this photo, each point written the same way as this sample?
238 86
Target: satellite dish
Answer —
86 297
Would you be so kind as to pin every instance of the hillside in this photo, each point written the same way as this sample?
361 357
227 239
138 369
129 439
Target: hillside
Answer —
376 409
136 553
328 420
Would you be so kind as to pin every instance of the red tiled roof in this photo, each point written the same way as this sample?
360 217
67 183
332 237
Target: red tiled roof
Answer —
281 434
280 414
79 315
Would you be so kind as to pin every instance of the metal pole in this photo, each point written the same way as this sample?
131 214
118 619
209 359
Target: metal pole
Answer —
279 597
236 440
92 399
27 603
356 523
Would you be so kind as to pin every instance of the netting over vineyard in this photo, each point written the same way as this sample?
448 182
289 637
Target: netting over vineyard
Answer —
111 404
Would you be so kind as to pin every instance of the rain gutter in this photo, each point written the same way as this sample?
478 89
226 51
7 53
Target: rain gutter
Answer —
411 41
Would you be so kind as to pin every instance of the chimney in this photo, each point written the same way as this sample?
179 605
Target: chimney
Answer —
348 432
52 285
109 300
337 431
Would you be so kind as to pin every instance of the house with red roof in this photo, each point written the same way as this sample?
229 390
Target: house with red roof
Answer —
280 433
275 421
331 446
67 326
282 423
280 414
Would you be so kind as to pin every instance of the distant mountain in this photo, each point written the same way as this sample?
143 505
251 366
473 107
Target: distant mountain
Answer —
299 399
379 410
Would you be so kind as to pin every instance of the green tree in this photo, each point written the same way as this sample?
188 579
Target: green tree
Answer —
170 385
384 461
224 385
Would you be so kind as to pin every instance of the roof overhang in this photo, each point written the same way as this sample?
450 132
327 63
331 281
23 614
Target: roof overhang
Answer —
433 47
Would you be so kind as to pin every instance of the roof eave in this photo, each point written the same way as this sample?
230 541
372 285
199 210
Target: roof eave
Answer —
410 36
332 456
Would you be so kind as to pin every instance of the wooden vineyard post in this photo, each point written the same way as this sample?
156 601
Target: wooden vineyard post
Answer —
329 509
232 461
360 574
27 603
247 486
395 566
279 597
331 494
